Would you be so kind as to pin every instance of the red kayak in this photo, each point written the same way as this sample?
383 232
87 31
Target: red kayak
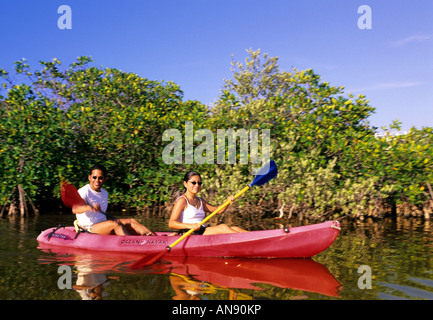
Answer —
296 242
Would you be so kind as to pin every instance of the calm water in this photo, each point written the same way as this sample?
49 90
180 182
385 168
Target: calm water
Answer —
397 252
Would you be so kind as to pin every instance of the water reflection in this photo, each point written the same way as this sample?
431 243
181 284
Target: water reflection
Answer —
406 292
399 252
90 286
196 278
241 273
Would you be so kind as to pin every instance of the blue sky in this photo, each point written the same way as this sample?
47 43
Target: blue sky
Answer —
191 42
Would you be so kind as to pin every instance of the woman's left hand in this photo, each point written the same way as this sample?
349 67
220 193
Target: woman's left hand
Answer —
231 198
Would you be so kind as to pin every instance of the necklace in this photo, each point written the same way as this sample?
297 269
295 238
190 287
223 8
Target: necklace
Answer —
193 201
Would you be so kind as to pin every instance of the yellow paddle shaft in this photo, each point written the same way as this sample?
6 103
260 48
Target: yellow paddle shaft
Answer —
225 204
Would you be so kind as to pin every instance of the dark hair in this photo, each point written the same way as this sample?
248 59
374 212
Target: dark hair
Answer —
189 175
99 167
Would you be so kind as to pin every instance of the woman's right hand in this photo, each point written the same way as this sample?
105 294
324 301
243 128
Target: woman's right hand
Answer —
195 226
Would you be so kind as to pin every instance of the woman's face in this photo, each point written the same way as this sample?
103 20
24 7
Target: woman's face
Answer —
193 185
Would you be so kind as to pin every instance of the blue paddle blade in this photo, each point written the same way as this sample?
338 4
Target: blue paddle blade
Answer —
265 173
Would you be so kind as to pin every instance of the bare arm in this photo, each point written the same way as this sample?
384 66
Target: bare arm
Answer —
80 208
211 208
174 223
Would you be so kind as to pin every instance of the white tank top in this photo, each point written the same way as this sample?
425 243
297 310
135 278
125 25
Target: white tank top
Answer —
191 214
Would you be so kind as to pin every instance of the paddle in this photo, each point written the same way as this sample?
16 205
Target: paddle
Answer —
266 173
71 197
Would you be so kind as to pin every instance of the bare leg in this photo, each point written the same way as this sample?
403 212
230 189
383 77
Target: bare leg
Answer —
110 227
222 228
134 227
237 229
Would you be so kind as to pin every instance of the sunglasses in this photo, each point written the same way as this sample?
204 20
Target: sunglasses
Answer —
196 182
99 178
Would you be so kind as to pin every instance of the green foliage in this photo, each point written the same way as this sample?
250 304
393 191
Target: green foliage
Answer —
329 159
58 122
33 134
68 120
403 163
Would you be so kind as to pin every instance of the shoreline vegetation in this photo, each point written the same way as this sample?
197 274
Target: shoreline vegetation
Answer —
56 121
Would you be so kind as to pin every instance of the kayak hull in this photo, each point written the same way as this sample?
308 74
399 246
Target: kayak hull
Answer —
296 242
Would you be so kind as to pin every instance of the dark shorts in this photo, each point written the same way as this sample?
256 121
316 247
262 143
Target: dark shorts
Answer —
199 232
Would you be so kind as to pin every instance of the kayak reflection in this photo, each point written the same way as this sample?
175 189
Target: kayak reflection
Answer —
243 273
192 277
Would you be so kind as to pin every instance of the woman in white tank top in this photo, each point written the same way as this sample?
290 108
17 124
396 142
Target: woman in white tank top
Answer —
189 210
